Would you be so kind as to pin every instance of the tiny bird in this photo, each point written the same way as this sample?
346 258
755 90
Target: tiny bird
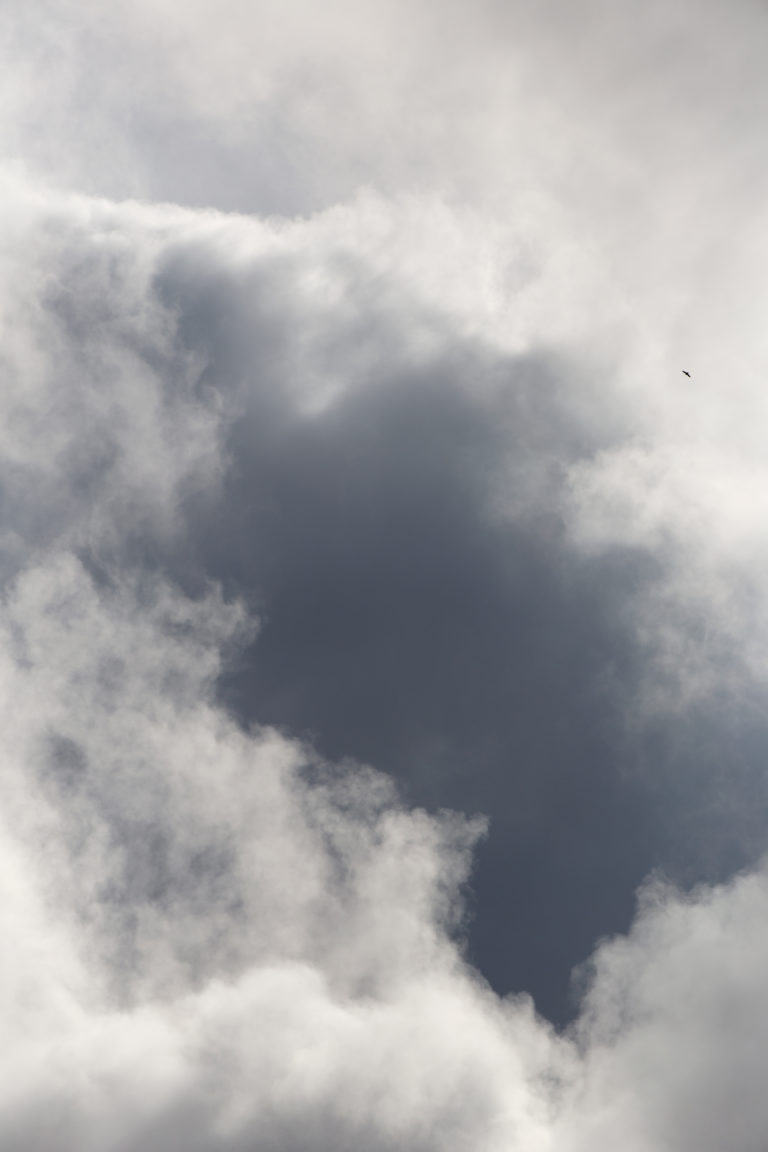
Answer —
686 373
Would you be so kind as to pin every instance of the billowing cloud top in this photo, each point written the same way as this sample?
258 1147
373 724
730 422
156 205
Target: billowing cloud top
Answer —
382 610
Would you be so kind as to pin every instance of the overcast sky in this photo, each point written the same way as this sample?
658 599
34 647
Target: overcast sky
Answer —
383 609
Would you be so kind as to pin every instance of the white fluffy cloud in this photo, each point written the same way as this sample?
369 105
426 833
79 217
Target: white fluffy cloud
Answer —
675 1024
217 939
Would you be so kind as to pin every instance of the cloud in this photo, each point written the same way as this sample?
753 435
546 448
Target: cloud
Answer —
220 939
370 446
674 1023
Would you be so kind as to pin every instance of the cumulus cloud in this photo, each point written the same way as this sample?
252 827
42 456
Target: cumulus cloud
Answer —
674 1024
379 604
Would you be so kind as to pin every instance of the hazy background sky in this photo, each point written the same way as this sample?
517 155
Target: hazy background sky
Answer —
384 661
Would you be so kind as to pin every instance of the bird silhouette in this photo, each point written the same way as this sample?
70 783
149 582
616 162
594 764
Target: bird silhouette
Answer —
686 373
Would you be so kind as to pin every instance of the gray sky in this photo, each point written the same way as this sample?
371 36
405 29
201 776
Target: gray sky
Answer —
383 611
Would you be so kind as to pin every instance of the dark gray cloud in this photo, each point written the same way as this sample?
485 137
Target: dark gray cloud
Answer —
402 626
479 659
